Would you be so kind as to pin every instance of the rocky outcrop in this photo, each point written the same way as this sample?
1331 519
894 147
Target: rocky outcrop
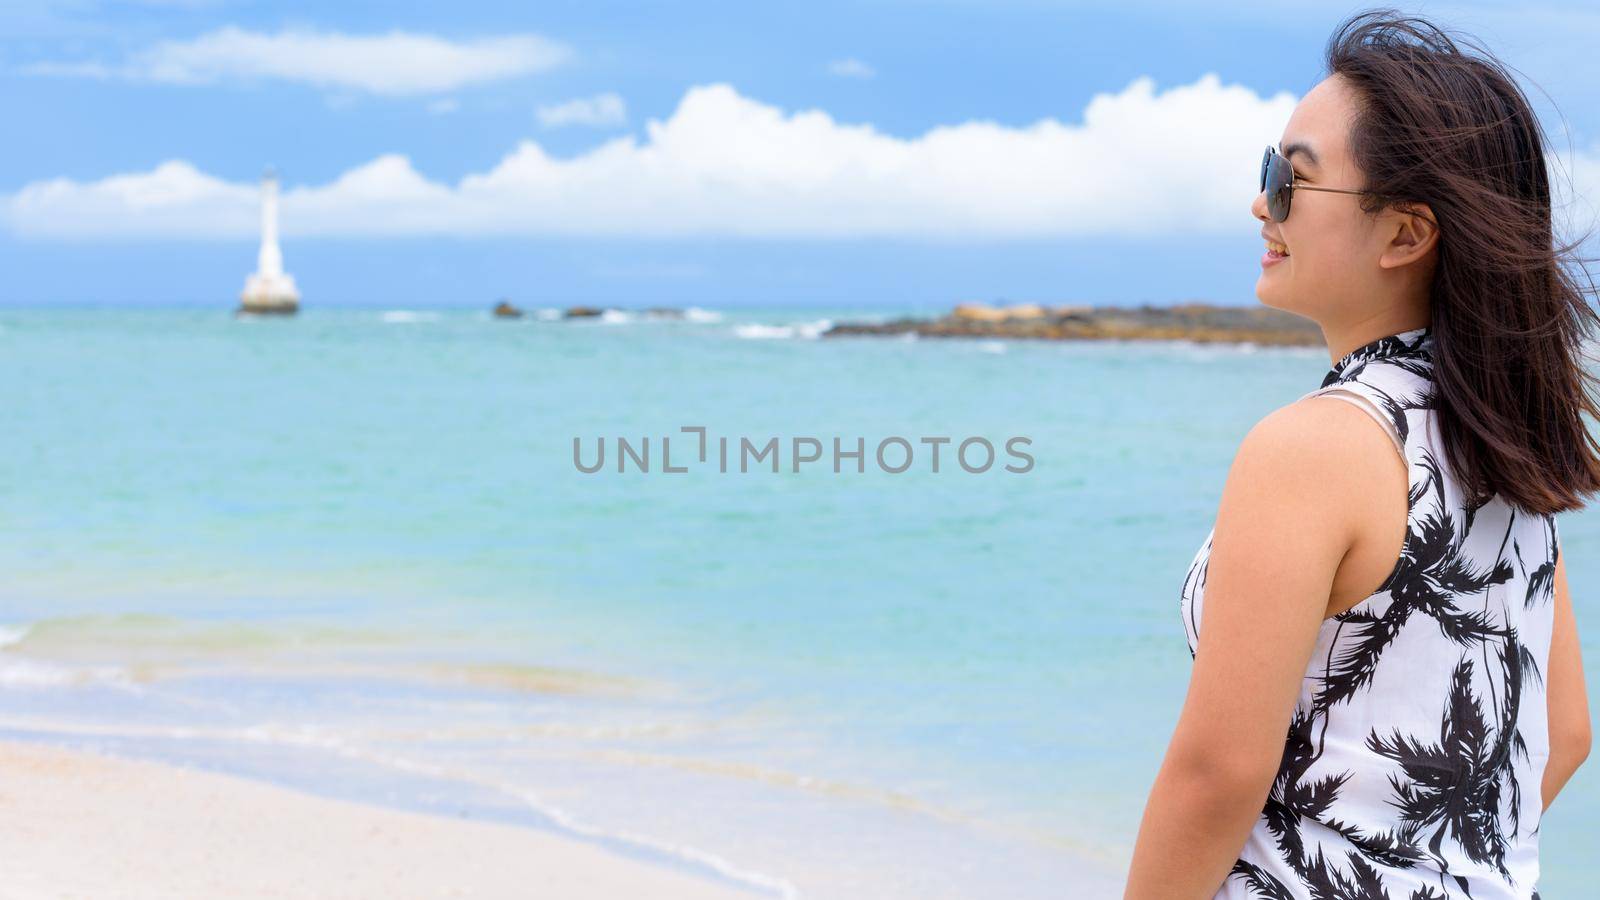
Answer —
979 312
504 310
1201 322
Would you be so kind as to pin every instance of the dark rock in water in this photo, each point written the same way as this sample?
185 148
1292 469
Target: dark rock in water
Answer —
1201 322
251 312
505 310
663 312
582 312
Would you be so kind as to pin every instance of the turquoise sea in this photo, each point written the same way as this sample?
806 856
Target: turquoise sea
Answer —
351 552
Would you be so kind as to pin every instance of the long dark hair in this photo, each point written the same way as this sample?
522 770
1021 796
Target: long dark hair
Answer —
1453 130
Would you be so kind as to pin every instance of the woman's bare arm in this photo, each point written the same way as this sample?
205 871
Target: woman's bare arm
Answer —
1565 695
1290 510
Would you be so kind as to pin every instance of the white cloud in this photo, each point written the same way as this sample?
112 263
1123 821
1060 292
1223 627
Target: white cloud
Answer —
1141 162
396 63
597 111
174 198
850 68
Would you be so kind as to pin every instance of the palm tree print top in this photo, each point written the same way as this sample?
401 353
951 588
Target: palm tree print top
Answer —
1412 766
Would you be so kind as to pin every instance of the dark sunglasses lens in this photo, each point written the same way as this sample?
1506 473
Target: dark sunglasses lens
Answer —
1276 182
1265 158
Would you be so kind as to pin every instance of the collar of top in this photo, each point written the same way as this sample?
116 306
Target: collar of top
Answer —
1414 342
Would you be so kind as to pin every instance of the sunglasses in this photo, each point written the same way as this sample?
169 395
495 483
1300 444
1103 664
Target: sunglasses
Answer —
1277 182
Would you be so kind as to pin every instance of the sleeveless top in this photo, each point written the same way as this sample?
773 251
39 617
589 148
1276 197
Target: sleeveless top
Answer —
1413 763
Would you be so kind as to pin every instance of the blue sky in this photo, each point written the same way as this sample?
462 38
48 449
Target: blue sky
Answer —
878 152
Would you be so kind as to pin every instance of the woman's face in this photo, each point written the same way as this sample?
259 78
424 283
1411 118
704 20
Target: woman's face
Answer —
1332 268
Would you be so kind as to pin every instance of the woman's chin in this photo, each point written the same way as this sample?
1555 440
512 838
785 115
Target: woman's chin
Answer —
1270 295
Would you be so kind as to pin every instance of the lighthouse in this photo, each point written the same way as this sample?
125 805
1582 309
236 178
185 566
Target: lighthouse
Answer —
269 290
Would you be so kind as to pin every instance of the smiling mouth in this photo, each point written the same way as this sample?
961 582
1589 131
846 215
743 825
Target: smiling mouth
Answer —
1277 249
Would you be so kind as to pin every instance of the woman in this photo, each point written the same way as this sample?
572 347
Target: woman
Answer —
1387 691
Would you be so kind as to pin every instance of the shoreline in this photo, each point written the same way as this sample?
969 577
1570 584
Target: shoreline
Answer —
83 823
565 753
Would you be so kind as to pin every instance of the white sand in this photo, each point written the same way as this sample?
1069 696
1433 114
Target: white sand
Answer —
82 825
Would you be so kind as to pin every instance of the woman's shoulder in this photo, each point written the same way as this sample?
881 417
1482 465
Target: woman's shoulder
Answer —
1320 453
1323 430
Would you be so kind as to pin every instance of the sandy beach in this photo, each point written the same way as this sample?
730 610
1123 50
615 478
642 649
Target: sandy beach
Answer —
83 825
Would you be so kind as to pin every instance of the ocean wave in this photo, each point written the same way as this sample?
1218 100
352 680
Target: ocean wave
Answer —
803 330
407 315
614 316
20 672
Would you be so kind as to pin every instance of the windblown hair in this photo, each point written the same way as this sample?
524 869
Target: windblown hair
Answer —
1510 317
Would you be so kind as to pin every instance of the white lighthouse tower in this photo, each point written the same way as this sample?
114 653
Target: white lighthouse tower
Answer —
270 289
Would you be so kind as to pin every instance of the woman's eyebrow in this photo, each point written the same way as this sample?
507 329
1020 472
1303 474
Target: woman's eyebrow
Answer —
1294 147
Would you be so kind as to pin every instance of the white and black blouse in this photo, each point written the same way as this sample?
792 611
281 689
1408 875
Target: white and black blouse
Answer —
1413 764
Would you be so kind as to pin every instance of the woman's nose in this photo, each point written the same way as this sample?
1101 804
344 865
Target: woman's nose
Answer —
1258 207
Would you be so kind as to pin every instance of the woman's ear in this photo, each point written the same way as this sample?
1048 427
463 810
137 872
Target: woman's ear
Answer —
1415 232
